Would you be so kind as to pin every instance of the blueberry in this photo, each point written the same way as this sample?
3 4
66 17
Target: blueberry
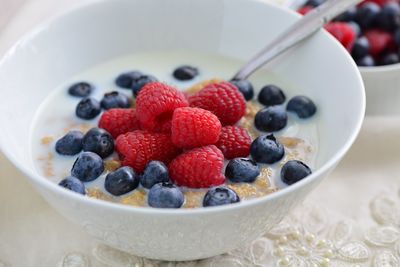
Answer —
366 61
220 195
348 15
121 181
81 89
155 172
115 100
88 108
389 16
303 106
360 48
397 36
389 59
242 170
271 119
185 73
356 27
293 171
165 195
367 14
245 87
70 144
73 184
314 3
271 95
87 167
125 80
138 84
98 141
266 149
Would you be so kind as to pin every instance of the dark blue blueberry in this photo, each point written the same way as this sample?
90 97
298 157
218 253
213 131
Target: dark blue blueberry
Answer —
125 80
366 61
303 106
245 87
185 73
121 181
356 27
348 15
81 89
87 167
165 195
360 48
155 172
242 170
293 171
266 149
389 59
115 100
138 84
70 144
271 95
73 184
271 119
314 3
220 195
397 36
88 108
389 17
98 141
367 14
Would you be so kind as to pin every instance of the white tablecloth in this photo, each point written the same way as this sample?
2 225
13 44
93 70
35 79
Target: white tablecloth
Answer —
351 219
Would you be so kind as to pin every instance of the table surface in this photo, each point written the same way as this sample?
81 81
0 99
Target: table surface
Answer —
351 219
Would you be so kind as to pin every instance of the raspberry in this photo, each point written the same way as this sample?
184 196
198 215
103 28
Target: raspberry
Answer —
198 168
118 121
304 10
223 99
155 105
234 142
138 148
194 127
343 32
379 41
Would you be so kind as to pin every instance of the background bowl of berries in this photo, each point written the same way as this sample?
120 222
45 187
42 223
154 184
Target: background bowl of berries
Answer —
132 128
370 32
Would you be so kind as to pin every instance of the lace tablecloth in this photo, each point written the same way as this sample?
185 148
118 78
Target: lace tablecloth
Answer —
351 219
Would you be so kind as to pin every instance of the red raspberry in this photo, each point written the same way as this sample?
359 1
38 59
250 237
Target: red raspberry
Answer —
223 99
118 121
343 32
304 10
198 168
194 127
155 105
138 148
379 41
234 142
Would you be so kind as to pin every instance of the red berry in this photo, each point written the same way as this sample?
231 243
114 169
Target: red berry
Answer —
194 127
234 142
118 121
343 32
223 99
304 10
155 105
138 148
198 168
379 41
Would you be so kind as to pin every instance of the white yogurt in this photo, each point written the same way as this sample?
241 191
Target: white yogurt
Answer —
57 112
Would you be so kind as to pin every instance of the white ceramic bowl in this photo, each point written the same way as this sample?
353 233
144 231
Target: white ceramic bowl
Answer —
102 30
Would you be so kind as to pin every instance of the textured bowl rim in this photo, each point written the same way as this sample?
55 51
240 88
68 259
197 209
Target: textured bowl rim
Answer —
48 185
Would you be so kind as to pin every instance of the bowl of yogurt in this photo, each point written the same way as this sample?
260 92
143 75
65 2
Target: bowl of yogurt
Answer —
156 37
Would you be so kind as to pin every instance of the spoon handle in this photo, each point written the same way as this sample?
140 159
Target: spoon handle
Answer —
298 32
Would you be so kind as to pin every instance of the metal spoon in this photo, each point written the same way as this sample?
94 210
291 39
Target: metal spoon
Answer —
301 30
